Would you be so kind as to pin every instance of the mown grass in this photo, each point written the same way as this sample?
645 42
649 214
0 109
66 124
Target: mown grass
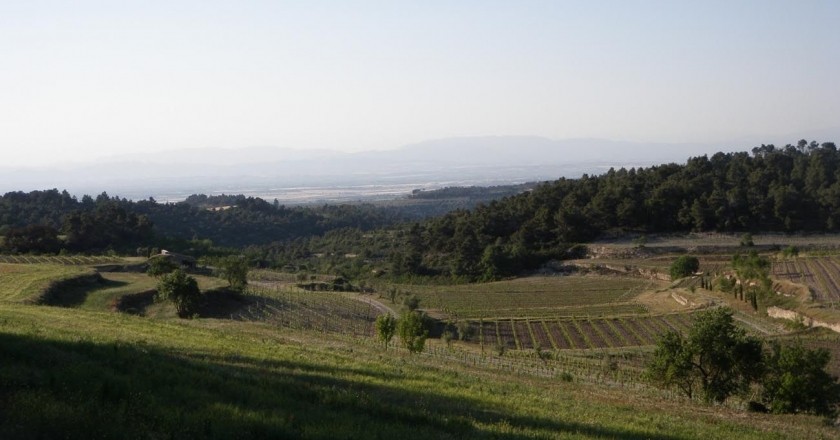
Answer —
25 282
72 373
119 284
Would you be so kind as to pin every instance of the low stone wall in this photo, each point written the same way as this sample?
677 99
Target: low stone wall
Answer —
777 312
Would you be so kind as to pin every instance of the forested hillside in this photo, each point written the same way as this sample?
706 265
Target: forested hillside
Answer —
33 222
795 188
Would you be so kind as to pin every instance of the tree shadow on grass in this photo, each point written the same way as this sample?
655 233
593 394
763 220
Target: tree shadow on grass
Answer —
74 292
61 389
222 303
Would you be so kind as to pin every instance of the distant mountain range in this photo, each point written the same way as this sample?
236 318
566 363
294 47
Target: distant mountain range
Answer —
431 164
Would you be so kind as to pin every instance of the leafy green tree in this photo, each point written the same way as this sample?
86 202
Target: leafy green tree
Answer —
797 381
31 238
234 270
716 355
493 262
412 331
672 364
386 327
684 266
181 289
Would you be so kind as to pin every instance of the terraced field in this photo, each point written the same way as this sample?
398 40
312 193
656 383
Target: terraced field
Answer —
534 297
322 311
575 333
75 260
25 282
820 274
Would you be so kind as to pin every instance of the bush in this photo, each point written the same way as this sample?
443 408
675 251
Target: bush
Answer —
717 358
160 265
747 240
181 289
790 251
796 381
684 266
412 331
386 327
411 302
235 270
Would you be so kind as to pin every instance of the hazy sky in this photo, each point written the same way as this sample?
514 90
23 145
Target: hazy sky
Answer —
82 79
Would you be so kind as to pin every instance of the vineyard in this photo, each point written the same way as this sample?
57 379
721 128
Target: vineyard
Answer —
321 311
76 260
534 297
575 333
820 274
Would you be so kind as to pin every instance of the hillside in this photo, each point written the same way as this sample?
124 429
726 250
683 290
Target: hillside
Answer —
88 374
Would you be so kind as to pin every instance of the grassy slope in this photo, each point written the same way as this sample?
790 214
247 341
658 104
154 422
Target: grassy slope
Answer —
80 374
25 282
117 284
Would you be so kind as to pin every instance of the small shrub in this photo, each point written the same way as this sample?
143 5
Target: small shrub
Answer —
790 251
500 349
797 381
411 302
182 290
684 266
386 327
412 332
160 265
747 240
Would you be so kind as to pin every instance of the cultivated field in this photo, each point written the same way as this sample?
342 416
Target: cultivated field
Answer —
820 274
576 333
76 260
534 297
299 309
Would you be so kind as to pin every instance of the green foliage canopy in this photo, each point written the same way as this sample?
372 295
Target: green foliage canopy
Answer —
181 289
160 265
797 381
684 266
234 270
716 356
412 331
386 327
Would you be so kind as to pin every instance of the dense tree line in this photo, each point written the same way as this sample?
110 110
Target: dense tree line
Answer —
47 221
795 188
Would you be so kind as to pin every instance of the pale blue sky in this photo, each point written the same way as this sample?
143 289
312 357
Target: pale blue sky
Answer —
84 79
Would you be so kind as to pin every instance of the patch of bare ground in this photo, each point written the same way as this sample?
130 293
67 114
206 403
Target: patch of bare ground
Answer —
376 304
674 300
792 290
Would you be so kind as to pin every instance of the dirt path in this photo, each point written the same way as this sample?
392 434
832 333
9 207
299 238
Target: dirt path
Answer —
373 302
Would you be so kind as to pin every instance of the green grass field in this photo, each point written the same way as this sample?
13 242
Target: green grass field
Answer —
72 373
26 282
88 372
